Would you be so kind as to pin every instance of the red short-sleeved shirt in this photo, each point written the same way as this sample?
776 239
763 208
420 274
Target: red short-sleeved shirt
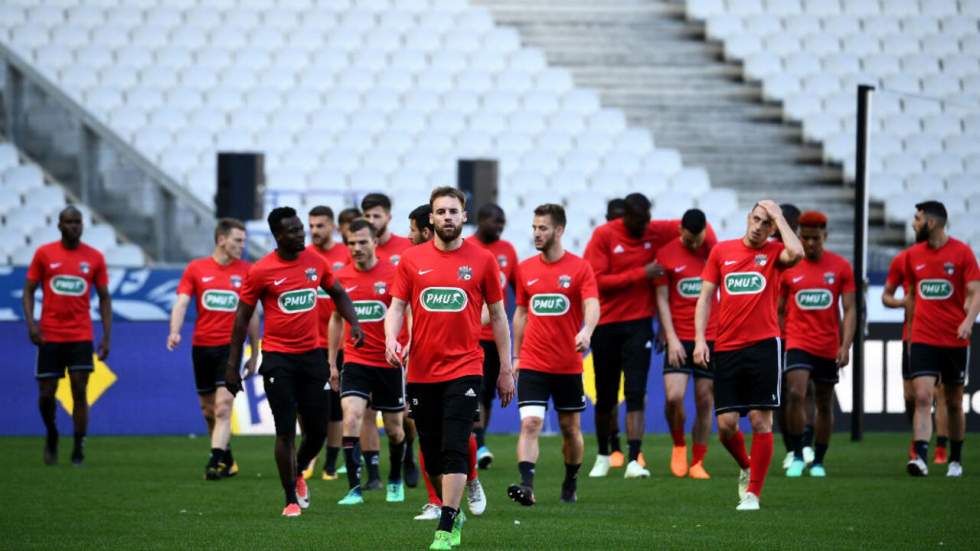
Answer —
370 292
287 289
747 279
66 277
553 295
391 250
337 257
896 277
215 288
813 291
940 277
446 291
506 257
682 276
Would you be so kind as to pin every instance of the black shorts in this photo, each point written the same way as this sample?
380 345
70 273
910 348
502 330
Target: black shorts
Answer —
822 370
622 348
491 370
565 390
948 364
336 412
383 387
296 383
209 367
689 367
906 361
53 358
748 378
443 414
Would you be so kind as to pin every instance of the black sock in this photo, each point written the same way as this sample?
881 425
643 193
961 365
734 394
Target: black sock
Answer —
603 444
527 473
228 458
571 473
330 466
942 441
480 434
396 455
796 445
447 519
217 455
922 449
634 449
614 443
956 450
808 436
79 441
820 450
373 461
351 460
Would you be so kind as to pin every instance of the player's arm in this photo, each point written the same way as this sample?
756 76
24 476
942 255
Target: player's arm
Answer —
233 377
675 350
847 329
254 332
597 254
346 309
501 336
27 301
965 329
177 315
105 312
701 312
888 296
520 322
590 319
394 320
335 332
792 247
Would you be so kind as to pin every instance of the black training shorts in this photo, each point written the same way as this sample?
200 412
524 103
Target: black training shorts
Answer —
443 414
949 364
689 367
53 358
491 371
296 383
209 367
565 390
822 370
383 387
748 378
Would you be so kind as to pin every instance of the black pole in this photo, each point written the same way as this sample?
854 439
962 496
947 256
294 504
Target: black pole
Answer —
860 254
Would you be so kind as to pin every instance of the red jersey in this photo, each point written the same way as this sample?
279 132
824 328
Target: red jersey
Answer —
337 257
939 277
371 293
896 277
446 291
287 289
748 281
506 257
392 249
682 276
553 295
215 288
66 277
618 260
812 291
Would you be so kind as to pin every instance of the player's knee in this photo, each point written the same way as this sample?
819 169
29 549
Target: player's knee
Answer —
207 410
635 400
531 425
704 403
394 430
569 428
796 394
675 402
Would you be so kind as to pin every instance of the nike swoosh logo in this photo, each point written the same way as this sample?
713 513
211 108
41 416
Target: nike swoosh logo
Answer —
730 262
680 269
279 281
532 282
797 279
350 289
207 279
919 267
55 265
423 272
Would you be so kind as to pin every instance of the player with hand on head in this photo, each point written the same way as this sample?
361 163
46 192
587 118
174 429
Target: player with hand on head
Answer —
295 378
746 356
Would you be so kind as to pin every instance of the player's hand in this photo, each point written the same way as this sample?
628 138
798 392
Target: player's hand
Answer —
233 379
394 353
173 340
357 334
653 270
676 355
701 354
103 349
771 208
965 330
505 386
334 378
35 335
582 341
843 357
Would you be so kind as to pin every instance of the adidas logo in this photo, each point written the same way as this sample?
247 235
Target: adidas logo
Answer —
469 392
326 386
618 249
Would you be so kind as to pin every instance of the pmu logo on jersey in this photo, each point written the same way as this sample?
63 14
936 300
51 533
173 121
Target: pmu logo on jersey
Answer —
69 285
935 289
395 258
744 283
565 281
814 299
85 267
549 304
311 274
949 268
218 300
297 301
689 287
380 287
443 299
465 273
501 261
829 277
761 259
370 311
236 281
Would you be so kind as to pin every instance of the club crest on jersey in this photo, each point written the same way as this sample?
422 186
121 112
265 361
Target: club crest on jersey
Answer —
502 261
395 258
465 273
949 268
84 267
829 277
380 287
337 266
564 281
761 259
311 274
236 281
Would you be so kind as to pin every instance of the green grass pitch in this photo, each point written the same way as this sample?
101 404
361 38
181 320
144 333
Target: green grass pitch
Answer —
149 493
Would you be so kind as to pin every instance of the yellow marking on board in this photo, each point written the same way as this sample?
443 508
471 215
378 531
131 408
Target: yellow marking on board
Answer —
588 380
235 423
99 381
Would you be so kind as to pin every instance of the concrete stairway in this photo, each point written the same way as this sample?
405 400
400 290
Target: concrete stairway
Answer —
643 57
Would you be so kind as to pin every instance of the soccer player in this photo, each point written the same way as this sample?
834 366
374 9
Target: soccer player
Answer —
344 218
215 281
337 256
622 254
420 227
556 293
943 273
66 271
614 209
490 224
295 378
747 352
817 343
677 294
367 374
446 284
